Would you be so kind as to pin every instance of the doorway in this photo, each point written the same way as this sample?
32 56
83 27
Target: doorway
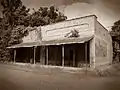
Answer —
75 55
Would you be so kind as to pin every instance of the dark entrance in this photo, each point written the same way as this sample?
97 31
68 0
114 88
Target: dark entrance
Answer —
26 55
54 55
70 55
74 55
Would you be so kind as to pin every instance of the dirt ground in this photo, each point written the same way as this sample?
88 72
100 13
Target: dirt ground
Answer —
24 78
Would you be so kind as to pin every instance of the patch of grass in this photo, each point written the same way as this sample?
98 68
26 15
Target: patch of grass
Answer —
113 70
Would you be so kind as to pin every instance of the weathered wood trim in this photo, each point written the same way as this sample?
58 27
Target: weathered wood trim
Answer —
63 55
14 55
73 58
34 54
47 61
86 55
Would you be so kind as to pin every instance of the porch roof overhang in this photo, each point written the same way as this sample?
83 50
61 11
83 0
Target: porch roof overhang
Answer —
27 44
53 42
67 41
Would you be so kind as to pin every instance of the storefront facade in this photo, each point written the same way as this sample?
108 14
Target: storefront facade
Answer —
71 43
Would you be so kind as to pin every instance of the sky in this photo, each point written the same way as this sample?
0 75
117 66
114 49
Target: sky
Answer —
107 11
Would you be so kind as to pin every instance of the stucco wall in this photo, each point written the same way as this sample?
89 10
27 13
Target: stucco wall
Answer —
33 36
103 45
84 25
92 53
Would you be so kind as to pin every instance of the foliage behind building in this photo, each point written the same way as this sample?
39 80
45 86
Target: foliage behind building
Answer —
16 18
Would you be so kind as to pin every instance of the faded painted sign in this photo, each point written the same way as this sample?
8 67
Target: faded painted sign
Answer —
60 33
85 27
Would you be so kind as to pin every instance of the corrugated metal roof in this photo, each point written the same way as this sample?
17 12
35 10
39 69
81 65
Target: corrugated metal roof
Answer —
53 42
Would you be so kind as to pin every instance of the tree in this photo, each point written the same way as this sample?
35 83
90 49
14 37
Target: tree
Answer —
115 33
45 16
16 19
10 7
116 30
14 12
16 35
42 16
4 38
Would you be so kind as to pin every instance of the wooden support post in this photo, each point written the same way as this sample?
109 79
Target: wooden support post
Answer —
47 55
34 53
14 55
63 55
40 56
86 56
30 55
73 58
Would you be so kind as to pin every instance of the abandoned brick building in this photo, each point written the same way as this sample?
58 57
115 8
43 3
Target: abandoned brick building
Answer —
71 43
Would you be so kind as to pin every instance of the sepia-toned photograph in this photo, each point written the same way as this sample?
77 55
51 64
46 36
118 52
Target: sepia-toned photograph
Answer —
59 45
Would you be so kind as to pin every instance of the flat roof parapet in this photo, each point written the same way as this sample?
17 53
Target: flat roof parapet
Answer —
72 19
